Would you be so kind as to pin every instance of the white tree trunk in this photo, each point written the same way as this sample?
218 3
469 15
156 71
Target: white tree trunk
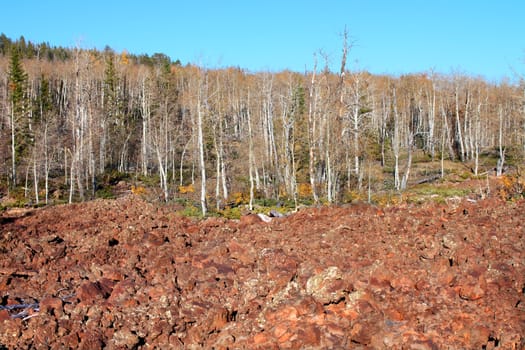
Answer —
406 175
396 143
459 134
202 165
71 178
35 178
431 123
46 164
250 159
13 148
311 134
501 160
145 110
162 173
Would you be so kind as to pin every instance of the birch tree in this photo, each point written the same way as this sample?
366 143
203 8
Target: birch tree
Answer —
200 141
501 147
312 131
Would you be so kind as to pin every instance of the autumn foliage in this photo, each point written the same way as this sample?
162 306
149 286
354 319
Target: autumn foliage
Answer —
71 115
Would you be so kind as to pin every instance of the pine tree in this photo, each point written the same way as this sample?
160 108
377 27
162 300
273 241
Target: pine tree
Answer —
20 130
17 81
5 44
113 127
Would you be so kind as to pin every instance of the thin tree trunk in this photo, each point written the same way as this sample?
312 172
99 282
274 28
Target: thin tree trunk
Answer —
294 172
35 179
459 134
396 144
431 123
406 175
444 133
145 109
225 193
467 129
13 148
501 160
181 179
26 184
217 172
250 158
102 150
311 134
71 178
162 174
46 164
477 137
202 165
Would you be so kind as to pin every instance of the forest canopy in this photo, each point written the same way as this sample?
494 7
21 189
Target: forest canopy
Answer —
71 117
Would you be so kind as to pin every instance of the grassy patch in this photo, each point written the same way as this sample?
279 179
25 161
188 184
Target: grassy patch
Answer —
441 191
434 193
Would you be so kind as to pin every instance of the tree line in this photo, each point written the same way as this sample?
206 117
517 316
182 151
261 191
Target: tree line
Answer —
66 122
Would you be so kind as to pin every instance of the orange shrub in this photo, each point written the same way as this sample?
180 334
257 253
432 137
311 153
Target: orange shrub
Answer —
511 187
238 198
138 190
304 189
186 189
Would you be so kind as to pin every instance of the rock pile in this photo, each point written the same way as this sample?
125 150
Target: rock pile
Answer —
125 274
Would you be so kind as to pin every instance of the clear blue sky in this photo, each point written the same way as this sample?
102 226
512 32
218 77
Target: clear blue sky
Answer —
476 37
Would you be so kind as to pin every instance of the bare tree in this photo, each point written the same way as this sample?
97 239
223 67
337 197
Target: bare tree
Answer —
312 131
200 141
501 147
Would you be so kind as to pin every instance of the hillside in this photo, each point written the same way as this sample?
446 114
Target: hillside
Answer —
73 118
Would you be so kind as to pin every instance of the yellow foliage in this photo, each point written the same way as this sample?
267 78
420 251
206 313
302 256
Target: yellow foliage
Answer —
238 198
355 196
186 189
282 191
387 199
511 187
138 190
304 189
124 57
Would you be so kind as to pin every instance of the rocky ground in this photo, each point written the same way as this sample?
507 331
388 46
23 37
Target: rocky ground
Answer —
127 274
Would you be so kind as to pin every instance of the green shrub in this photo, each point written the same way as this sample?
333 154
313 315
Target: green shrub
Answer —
231 213
192 211
104 193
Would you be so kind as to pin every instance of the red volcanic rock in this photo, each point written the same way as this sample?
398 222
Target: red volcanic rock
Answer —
326 287
52 305
124 338
471 292
90 340
248 220
4 315
130 274
89 292
122 291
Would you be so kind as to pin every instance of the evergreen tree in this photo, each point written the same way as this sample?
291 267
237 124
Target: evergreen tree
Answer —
110 119
20 128
43 102
117 121
5 44
17 81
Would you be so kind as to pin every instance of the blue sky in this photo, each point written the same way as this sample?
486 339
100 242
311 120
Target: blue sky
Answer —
476 37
